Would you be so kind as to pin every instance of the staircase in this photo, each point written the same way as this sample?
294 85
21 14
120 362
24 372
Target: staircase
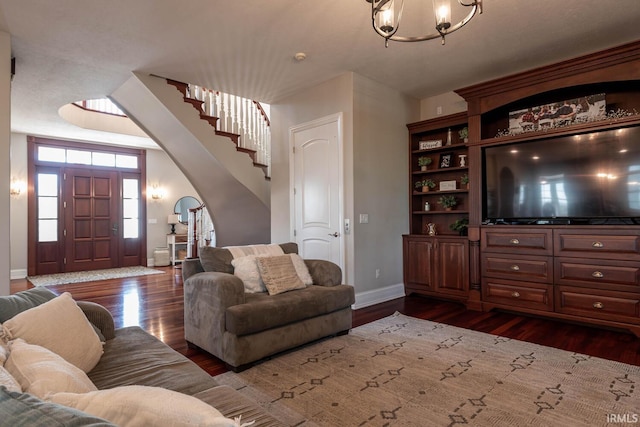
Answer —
231 178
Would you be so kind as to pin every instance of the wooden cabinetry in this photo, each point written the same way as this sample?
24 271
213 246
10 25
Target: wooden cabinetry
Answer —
436 266
581 273
449 164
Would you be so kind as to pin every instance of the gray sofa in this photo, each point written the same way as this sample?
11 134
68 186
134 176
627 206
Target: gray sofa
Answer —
241 328
131 357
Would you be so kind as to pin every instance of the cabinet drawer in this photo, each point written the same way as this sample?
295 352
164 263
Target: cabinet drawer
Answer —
596 245
181 238
610 305
509 240
621 275
521 294
520 267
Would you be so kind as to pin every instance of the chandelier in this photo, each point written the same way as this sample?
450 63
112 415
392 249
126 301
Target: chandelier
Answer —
386 16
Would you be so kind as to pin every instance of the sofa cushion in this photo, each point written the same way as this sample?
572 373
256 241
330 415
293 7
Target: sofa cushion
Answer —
24 410
262 311
135 357
61 326
279 274
141 406
22 301
40 371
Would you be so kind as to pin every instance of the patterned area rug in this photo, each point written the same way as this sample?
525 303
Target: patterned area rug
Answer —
402 371
90 276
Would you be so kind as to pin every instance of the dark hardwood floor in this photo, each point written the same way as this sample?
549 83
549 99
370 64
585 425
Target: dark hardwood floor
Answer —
155 303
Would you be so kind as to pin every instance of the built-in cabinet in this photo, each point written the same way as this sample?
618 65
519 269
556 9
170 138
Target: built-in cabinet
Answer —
585 273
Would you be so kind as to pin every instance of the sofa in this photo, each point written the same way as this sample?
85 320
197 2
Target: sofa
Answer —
227 316
129 360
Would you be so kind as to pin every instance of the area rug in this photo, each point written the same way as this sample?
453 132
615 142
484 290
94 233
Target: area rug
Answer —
91 276
402 371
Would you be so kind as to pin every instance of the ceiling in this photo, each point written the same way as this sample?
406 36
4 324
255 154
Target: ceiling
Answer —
69 50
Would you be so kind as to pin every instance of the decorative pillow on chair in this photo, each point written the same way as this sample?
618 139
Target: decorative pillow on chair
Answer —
246 269
279 274
61 326
40 371
133 406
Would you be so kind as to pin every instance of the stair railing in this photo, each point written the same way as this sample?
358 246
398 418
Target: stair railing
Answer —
240 116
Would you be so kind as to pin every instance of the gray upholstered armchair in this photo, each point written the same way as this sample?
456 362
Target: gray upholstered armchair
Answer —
240 327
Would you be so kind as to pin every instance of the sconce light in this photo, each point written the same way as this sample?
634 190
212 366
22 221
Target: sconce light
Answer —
16 187
172 220
157 193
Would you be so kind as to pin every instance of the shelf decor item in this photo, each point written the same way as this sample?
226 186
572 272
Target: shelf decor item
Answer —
464 134
448 202
445 160
427 145
425 185
464 180
424 162
461 226
448 185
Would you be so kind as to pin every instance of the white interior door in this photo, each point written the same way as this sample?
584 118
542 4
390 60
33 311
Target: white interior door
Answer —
317 189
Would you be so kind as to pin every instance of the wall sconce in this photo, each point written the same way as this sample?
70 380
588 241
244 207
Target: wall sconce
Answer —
157 193
16 187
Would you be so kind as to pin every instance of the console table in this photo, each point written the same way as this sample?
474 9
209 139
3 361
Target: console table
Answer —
175 243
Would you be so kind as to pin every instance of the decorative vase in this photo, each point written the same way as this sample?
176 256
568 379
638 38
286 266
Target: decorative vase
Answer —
448 208
423 168
425 189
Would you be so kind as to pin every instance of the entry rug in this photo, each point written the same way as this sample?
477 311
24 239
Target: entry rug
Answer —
402 371
90 276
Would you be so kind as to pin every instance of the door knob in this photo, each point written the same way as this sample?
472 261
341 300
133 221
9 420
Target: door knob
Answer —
336 234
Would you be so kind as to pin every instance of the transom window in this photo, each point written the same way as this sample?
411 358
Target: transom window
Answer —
86 157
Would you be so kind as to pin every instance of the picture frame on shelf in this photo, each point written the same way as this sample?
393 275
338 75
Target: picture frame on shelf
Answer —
445 160
427 145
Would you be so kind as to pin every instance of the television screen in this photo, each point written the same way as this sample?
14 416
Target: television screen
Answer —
586 178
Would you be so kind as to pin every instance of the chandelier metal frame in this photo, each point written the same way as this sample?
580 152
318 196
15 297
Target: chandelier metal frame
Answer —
442 28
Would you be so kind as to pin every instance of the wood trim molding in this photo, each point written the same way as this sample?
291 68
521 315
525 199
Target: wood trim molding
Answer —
616 64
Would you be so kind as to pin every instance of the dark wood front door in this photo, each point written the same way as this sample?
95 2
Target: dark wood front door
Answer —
91 219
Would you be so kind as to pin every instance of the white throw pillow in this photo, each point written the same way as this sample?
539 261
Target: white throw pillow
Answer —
246 269
61 326
4 351
301 269
7 381
40 371
142 406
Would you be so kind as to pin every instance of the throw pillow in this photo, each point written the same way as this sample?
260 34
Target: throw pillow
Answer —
40 371
4 350
23 409
136 405
278 274
7 381
301 269
61 326
21 301
246 269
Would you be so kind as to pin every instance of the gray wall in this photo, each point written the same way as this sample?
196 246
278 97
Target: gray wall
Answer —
5 156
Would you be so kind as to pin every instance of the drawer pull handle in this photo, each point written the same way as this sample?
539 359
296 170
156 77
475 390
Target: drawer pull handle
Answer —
515 267
597 274
515 294
598 305
597 245
514 241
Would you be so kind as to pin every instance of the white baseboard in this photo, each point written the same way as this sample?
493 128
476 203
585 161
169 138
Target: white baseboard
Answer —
18 274
376 296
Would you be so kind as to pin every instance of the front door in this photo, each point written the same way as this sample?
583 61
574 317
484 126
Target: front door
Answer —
317 180
91 219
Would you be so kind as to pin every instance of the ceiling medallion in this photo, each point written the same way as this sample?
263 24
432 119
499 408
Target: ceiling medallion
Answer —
386 16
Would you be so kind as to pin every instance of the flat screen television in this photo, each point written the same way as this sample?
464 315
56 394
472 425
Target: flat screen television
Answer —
589 178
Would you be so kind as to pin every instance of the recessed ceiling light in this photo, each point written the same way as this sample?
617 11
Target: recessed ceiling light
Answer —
300 56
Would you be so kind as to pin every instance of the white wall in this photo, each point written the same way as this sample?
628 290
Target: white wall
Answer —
5 156
442 105
161 171
375 175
